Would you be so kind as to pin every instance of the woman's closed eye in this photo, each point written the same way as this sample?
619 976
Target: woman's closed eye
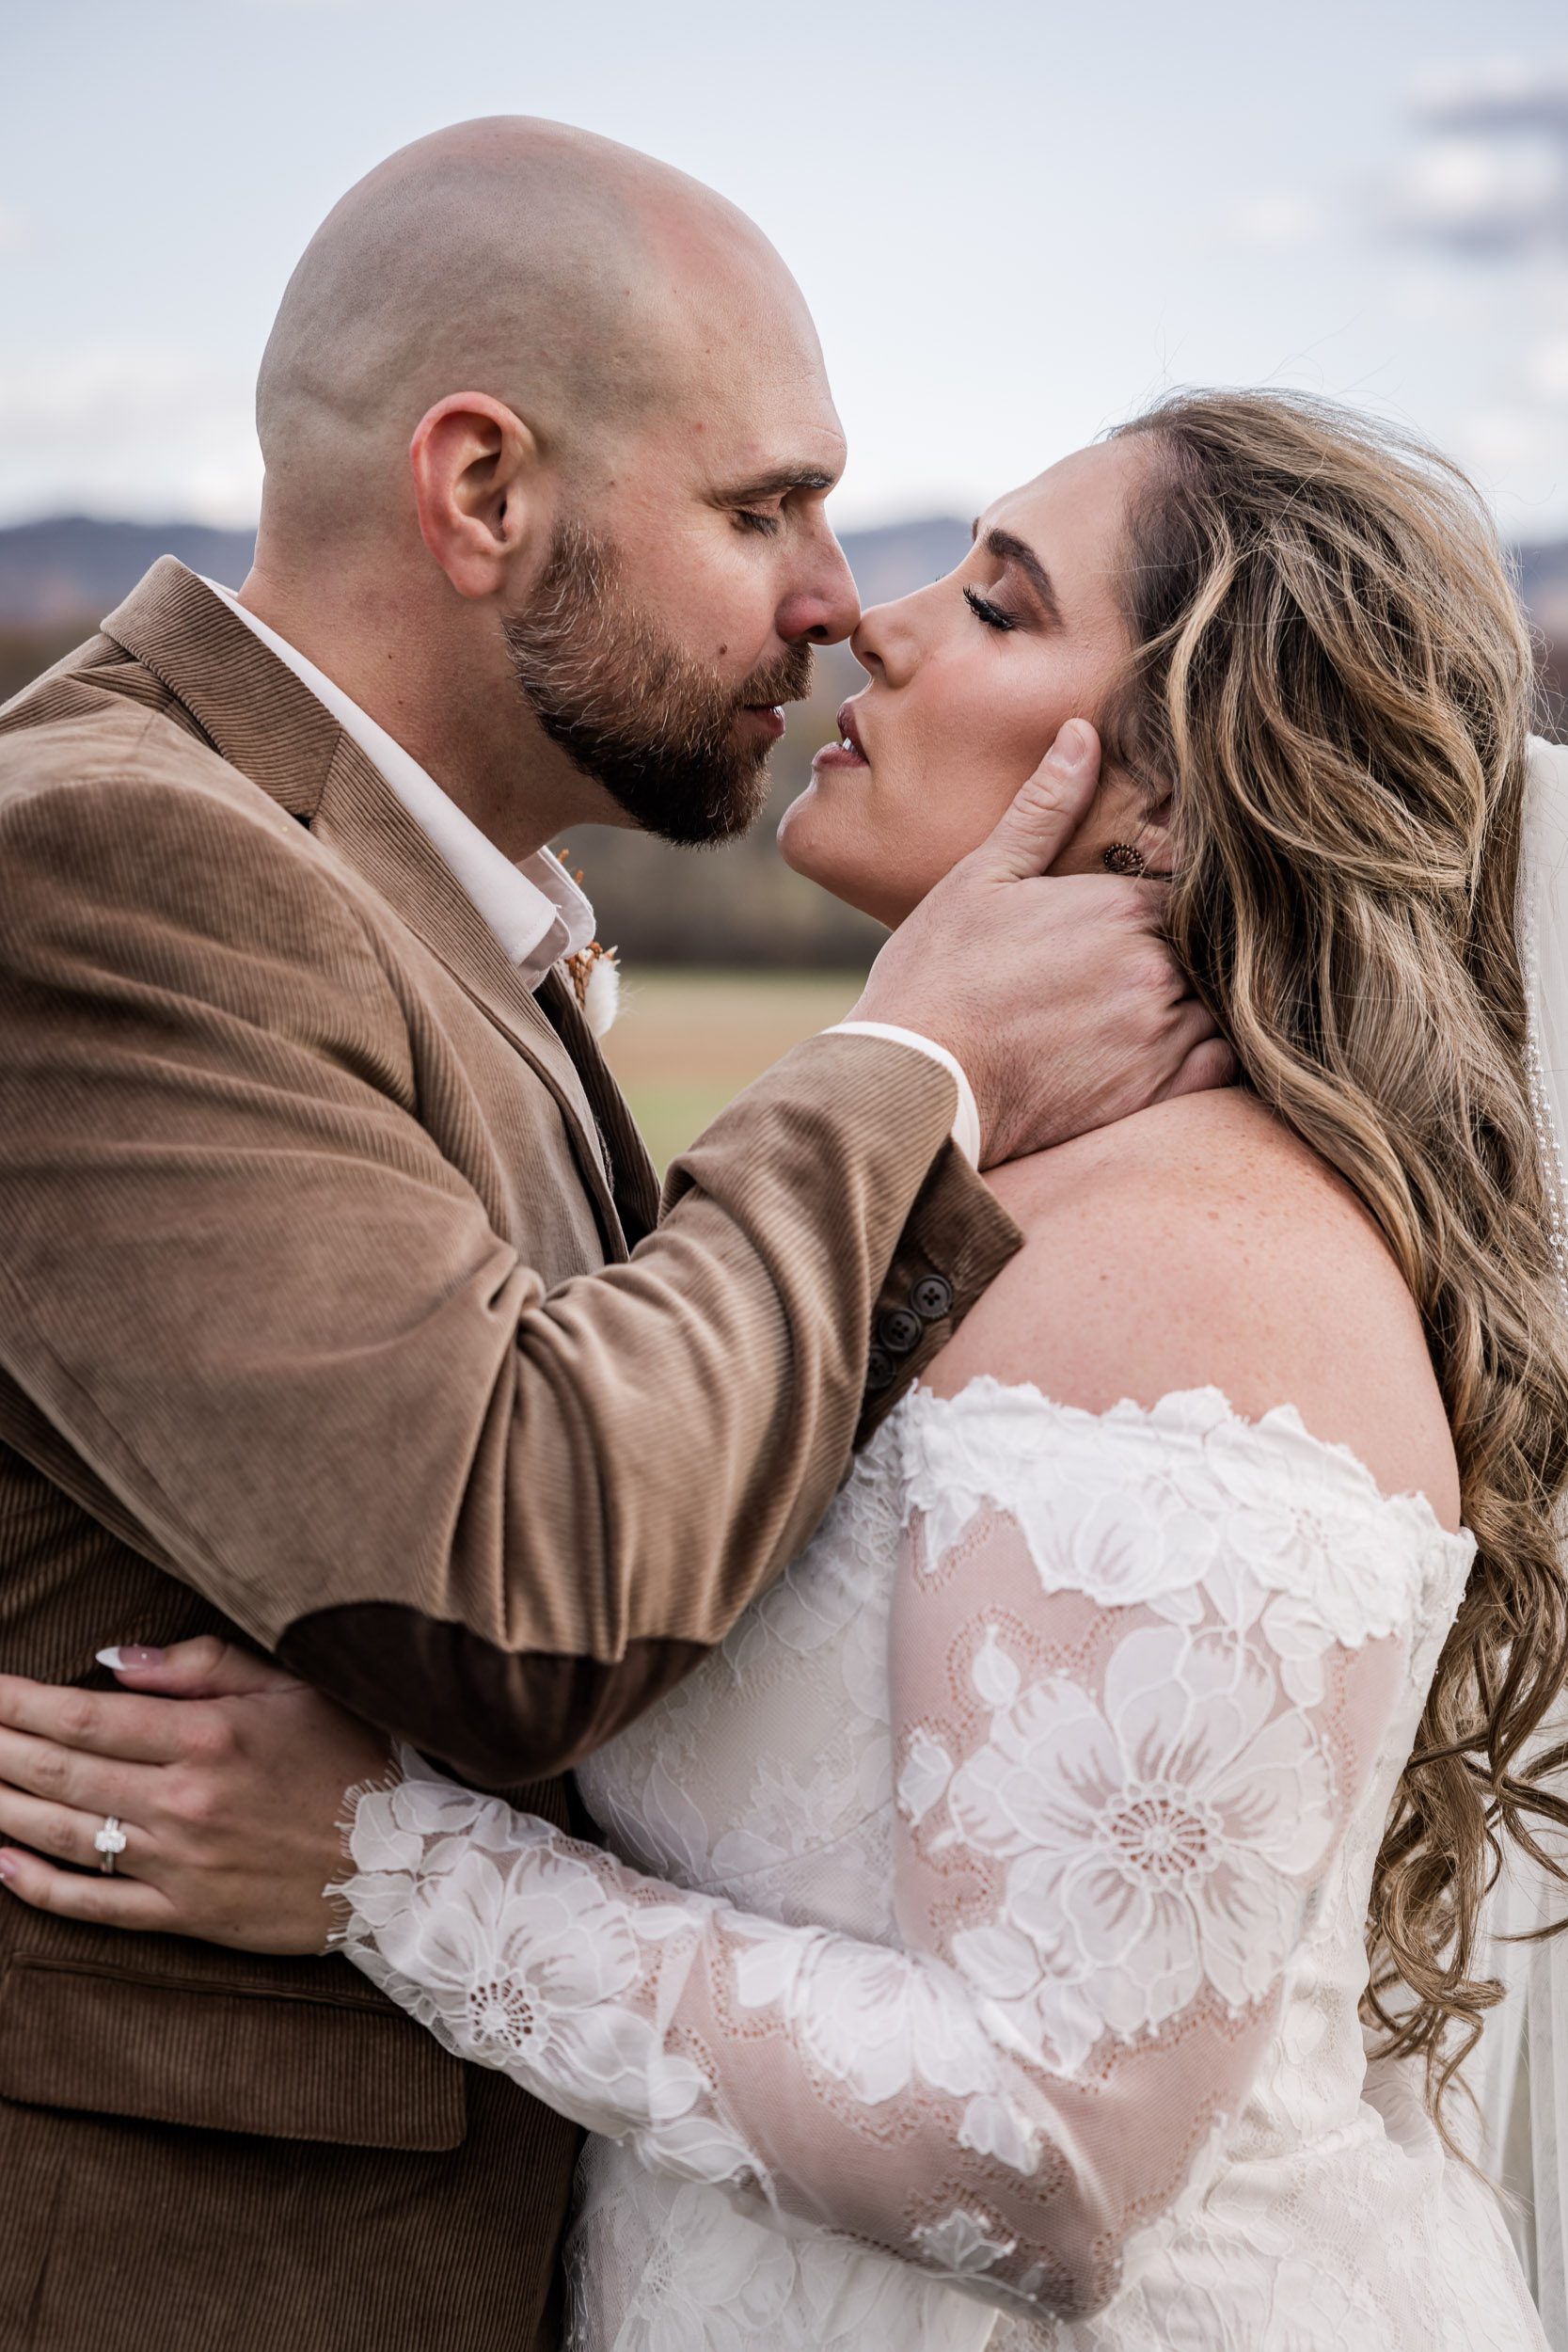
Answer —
991 615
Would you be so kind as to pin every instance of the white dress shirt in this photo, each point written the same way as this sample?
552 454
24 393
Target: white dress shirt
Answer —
534 908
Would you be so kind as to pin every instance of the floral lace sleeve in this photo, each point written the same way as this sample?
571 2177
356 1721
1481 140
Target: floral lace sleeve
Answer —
1137 1682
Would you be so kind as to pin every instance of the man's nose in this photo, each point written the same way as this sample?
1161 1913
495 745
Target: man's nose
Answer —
824 609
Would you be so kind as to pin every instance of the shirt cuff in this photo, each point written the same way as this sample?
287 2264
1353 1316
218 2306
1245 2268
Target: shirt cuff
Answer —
966 1119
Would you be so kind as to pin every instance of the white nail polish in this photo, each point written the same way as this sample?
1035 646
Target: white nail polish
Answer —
108 1658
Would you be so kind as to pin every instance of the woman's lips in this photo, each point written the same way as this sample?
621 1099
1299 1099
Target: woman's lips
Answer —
848 752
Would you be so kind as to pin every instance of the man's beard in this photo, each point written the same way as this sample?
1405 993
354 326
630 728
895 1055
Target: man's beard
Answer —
633 712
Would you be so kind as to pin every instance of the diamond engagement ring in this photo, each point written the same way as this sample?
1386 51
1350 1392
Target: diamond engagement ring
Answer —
110 1842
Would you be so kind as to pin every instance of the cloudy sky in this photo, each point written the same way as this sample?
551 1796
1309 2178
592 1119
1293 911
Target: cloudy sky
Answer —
1014 224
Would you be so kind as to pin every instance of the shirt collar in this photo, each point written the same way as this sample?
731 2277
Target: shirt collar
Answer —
534 908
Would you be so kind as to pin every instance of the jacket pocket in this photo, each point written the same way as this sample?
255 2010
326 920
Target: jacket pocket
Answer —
285 2065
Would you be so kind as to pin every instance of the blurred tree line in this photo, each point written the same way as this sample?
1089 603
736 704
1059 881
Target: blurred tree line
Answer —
736 907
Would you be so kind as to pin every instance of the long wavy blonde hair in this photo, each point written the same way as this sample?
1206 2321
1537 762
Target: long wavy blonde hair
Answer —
1332 682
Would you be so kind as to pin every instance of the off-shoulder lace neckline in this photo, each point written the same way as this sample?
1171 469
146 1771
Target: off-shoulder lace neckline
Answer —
1193 1412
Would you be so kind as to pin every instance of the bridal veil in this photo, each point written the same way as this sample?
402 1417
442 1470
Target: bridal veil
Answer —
1523 2079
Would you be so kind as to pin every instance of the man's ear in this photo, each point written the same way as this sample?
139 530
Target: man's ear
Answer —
476 472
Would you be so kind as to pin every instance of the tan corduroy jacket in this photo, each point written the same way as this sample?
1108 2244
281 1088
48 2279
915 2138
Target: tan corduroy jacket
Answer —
332 1310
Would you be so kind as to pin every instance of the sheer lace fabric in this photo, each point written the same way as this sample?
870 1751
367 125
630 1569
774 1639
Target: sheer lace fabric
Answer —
977 1957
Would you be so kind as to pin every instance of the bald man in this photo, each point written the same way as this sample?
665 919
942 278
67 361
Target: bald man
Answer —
338 1311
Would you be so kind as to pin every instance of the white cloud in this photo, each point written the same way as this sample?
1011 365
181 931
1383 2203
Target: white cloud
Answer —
1490 172
1515 452
1499 93
123 427
1470 189
1548 369
1513 437
1276 219
1430 290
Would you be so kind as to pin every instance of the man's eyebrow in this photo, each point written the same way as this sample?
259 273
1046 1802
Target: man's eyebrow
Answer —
1008 550
776 485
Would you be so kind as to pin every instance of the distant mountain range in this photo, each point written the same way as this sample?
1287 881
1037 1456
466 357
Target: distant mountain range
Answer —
1544 581
738 905
76 567
68 569
71 568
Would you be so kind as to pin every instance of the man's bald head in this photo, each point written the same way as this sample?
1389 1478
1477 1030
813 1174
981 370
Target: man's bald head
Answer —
548 442
574 281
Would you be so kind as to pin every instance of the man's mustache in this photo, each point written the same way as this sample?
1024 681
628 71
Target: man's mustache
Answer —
786 681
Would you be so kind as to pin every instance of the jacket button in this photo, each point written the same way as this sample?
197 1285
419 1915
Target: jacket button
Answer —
932 1298
900 1331
878 1369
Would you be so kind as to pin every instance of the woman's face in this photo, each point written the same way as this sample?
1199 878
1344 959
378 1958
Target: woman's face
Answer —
970 680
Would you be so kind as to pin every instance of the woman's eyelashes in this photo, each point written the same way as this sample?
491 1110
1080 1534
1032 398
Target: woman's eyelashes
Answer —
991 615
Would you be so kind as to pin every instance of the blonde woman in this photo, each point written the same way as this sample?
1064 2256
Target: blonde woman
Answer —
979 1950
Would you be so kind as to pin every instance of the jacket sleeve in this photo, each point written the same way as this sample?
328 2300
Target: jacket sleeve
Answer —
278 1323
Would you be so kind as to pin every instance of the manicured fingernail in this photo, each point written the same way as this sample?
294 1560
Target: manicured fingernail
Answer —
132 1655
7 1869
1071 747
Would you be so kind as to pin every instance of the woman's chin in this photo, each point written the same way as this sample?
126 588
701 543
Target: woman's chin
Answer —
829 849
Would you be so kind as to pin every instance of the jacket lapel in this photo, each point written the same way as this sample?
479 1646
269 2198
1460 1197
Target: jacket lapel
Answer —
265 721
249 705
360 816
632 1172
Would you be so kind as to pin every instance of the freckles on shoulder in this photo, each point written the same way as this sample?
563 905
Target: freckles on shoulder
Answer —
1200 1244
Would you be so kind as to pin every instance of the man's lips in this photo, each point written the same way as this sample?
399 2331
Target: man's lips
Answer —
768 715
849 752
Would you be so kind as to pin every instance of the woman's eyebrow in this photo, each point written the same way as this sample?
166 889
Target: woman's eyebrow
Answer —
1007 550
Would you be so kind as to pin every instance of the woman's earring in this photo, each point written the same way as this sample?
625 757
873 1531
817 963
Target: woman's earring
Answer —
1125 857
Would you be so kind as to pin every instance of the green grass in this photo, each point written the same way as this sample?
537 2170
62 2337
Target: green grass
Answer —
672 1116
687 1042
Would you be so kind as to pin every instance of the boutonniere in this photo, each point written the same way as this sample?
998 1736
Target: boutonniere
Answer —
594 973
595 977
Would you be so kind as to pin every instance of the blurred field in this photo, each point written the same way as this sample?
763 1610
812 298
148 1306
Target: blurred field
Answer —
686 1042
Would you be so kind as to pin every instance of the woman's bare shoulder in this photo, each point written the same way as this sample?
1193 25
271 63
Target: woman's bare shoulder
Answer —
1201 1244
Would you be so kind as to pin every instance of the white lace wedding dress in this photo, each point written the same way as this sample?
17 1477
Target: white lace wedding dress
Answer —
978 1956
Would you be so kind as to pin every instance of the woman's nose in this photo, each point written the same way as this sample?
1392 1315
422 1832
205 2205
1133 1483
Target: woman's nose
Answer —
883 643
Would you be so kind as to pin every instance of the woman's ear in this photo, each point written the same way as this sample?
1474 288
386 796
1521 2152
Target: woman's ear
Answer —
476 472
1154 835
1121 815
